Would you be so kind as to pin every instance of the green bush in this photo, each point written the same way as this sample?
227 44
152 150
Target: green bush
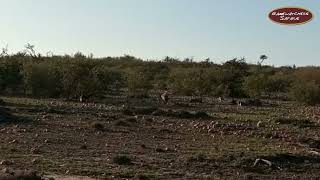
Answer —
308 74
233 73
181 82
88 78
266 84
42 80
108 79
256 85
77 79
138 82
279 82
306 92
11 76
192 81
73 76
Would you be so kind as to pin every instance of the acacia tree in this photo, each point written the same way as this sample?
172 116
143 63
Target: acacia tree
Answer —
262 59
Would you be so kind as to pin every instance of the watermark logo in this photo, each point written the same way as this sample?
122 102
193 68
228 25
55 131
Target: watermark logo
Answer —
290 16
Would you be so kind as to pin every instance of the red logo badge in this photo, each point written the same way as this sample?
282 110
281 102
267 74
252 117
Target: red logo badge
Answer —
290 15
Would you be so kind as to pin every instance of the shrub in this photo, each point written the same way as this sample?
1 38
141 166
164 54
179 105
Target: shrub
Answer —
261 84
192 81
180 80
279 82
308 74
73 76
89 79
108 79
221 90
11 77
78 79
138 82
256 85
42 80
306 92
232 75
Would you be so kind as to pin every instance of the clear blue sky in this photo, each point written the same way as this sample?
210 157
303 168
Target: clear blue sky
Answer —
153 29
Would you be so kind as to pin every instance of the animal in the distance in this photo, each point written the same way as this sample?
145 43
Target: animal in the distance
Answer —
164 97
250 102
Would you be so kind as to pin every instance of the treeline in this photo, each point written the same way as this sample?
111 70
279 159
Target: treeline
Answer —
31 74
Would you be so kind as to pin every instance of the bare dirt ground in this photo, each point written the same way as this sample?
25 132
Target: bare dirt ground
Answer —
182 140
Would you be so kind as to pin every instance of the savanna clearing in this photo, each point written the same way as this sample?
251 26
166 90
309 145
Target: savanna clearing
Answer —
150 140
